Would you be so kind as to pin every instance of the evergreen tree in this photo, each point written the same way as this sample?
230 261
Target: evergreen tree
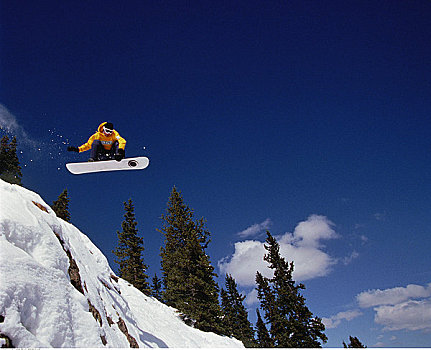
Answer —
263 338
10 169
354 343
61 206
291 322
129 252
188 276
235 316
156 288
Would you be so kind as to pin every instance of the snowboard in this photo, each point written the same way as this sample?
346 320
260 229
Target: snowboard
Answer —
136 163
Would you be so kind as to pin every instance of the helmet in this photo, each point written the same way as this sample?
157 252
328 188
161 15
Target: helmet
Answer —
108 128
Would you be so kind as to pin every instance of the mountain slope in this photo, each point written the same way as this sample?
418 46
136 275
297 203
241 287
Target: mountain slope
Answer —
57 289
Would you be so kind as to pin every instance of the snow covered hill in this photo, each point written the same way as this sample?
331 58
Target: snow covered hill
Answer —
57 289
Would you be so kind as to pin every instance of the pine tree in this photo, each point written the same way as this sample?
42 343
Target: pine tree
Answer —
354 343
188 276
263 338
156 288
235 316
61 206
291 322
129 252
10 169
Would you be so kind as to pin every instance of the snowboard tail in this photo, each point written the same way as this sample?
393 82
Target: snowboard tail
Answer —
137 163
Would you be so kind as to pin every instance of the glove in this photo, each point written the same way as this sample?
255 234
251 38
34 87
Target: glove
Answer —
119 155
73 149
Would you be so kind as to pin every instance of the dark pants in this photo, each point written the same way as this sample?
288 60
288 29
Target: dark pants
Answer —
98 152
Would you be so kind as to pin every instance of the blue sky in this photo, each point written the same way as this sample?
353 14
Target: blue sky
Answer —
307 118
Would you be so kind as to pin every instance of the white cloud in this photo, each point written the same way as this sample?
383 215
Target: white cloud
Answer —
309 233
379 344
9 124
392 296
7 120
364 239
348 259
309 262
255 229
303 246
252 298
412 315
245 262
400 308
334 321
380 216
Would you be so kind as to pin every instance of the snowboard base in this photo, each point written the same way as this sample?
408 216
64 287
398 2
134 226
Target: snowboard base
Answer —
137 163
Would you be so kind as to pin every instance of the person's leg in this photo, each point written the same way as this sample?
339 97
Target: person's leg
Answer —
97 151
114 150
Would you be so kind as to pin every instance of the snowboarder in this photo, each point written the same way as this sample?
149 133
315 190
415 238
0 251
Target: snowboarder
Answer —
105 144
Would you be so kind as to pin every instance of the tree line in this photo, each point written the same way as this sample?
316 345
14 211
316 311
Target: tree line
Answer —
188 283
10 170
188 277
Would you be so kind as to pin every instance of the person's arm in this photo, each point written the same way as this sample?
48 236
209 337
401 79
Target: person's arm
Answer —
121 141
86 146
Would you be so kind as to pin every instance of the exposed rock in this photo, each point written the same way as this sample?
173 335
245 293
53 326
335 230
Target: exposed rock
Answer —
115 278
40 206
103 338
95 313
7 342
105 283
75 277
110 322
123 328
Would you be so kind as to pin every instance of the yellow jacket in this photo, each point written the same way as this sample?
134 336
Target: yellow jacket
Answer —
107 141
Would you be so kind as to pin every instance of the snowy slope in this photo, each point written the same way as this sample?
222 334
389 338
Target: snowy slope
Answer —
57 289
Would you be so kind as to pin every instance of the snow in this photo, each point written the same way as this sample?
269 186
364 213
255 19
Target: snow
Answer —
41 307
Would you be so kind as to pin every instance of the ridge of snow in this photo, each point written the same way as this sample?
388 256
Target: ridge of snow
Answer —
39 305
